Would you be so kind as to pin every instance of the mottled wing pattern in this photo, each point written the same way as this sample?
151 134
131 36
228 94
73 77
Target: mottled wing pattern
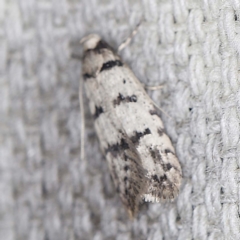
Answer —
140 155
123 160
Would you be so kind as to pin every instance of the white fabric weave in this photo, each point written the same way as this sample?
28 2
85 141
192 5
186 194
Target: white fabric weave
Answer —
190 47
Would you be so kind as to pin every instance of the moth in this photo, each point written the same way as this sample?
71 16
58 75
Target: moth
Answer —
141 159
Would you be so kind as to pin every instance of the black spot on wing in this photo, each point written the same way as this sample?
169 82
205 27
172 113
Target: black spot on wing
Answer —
126 168
137 135
155 178
132 98
87 75
98 111
166 167
154 111
163 178
120 99
114 149
160 179
110 64
155 154
162 187
169 151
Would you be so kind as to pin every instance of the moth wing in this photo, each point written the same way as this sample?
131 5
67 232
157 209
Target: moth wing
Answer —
140 155
141 124
124 164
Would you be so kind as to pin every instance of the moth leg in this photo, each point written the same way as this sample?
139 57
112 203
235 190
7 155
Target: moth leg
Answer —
153 88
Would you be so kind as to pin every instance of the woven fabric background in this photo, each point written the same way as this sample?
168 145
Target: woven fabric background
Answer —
190 47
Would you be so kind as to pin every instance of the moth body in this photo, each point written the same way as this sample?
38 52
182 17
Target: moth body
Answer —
140 156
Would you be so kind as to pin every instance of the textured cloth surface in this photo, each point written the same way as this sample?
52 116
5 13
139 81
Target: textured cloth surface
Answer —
190 47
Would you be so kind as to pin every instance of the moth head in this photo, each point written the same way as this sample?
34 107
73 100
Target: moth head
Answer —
90 41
